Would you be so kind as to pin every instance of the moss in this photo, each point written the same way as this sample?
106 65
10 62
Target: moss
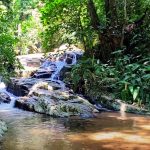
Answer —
69 108
114 104
40 106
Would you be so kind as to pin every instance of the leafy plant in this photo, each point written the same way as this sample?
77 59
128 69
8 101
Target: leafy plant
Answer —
92 78
7 43
134 82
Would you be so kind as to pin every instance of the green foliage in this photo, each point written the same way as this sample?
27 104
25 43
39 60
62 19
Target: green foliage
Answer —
134 77
66 21
134 83
125 71
127 81
7 42
71 21
26 20
92 77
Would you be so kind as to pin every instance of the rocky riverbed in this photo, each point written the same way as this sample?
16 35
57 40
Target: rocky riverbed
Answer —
118 105
51 98
54 99
50 95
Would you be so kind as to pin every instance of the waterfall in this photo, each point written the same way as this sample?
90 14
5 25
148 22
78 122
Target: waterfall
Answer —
61 64
67 60
5 106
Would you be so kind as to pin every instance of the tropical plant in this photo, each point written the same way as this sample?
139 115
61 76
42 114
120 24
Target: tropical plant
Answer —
7 42
92 78
134 83
127 81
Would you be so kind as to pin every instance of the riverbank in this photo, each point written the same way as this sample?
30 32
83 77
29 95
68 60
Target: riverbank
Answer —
51 96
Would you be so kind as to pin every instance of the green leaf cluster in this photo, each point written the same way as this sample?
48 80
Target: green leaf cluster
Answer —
124 79
7 42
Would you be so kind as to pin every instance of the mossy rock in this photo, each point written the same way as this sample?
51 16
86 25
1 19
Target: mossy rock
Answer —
116 105
57 108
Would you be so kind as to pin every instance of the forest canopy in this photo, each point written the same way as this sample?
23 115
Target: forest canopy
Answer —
100 26
114 34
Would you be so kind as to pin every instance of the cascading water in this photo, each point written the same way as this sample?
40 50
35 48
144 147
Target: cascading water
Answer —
67 60
5 106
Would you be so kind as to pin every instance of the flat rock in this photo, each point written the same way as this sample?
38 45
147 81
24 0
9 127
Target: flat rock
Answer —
56 107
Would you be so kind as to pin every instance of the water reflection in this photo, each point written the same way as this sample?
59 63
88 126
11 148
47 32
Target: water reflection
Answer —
29 131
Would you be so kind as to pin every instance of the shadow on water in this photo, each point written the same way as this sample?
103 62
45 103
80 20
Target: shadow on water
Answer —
29 131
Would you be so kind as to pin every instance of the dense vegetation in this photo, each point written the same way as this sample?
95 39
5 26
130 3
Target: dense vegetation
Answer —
114 34
19 32
7 38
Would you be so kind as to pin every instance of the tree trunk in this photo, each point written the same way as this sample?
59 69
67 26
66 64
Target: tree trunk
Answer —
95 22
124 24
108 41
111 12
93 15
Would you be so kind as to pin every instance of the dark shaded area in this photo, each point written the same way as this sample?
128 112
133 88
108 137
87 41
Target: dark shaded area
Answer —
17 90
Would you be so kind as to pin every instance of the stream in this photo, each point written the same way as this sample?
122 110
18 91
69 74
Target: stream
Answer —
31 131
107 131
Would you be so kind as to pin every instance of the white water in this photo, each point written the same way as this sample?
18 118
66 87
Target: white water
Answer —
59 66
5 106
54 78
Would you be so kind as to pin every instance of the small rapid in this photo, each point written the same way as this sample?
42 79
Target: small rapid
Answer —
7 106
31 131
53 65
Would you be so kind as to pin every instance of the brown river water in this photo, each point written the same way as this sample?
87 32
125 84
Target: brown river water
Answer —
107 131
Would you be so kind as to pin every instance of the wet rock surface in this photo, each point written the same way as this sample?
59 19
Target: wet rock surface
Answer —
3 128
49 98
118 105
32 62
4 97
22 86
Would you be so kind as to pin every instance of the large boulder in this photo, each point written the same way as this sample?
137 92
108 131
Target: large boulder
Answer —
30 63
48 98
56 108
22 86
